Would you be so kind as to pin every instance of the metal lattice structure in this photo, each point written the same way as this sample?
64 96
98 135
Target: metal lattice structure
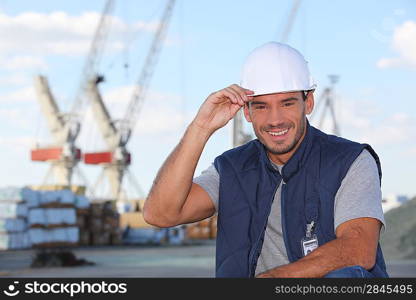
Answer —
327 100
63 155
116 160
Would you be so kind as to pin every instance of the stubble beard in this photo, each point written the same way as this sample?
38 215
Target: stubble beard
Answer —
279 148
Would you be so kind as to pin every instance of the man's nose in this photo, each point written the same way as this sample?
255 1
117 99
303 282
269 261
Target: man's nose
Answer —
275 116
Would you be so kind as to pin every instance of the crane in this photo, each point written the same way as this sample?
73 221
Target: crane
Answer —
328 98
116 160
289 25
63 155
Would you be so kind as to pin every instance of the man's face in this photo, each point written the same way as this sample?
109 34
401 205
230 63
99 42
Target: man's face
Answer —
279 121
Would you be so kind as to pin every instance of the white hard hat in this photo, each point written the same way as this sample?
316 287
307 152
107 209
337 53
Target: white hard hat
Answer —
276 68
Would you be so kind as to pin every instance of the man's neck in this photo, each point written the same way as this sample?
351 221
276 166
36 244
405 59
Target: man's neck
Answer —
279 159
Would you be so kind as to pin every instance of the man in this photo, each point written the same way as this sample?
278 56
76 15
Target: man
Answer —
295 202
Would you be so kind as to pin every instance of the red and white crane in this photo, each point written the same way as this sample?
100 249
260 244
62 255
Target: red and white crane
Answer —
116 159
63 154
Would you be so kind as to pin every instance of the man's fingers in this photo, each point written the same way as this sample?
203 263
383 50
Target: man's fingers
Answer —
225 94
230 95
237 96
241 95
240 92
244 93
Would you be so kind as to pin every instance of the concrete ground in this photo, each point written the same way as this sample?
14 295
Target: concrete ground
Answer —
197 260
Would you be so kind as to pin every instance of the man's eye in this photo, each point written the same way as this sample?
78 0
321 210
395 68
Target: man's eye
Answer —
288 104
257 107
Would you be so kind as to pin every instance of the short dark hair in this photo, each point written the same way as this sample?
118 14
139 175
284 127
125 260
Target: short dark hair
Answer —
305 94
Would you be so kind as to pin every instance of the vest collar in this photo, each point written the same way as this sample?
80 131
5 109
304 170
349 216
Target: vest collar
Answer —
297 160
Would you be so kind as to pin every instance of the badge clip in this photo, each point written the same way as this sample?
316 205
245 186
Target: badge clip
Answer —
310 241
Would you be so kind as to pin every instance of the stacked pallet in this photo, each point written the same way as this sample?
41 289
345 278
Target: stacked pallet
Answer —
52 221
13 222
99 225
205 229
55 216
138 231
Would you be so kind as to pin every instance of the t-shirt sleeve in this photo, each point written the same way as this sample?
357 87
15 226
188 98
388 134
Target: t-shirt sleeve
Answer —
209 180
359 195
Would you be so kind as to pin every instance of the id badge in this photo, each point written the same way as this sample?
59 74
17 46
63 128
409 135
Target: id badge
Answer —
309 244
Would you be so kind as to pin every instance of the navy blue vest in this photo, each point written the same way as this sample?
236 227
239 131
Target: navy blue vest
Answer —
248 183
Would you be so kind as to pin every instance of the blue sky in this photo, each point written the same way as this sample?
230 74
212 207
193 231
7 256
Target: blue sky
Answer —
371 45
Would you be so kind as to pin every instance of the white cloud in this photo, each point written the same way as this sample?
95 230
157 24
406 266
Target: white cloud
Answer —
15 117
118 99
23 62
350 113
14 79
365 121
392 130
18 142
160 120
160 116
411 152
60 33
25 94
404 43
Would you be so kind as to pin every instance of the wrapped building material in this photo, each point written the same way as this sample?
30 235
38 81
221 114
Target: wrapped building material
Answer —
37 236
66 197
49 197
65 216
15 194
12 225
52 216
31 197
82 202
11 194
14 240
12 209
144 236
52 236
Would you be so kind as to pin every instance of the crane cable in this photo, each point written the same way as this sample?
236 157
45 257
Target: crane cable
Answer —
139 94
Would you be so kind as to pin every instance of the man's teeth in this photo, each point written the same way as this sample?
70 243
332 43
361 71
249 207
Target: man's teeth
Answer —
278 133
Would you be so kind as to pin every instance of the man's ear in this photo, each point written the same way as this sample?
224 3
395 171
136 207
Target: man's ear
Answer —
309 102
247 113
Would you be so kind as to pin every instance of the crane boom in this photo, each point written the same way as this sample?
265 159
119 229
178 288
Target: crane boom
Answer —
290 21
139 94
49 108
94 56
101 114
116 159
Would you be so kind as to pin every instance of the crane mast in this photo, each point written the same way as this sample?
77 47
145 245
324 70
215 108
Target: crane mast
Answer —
327 99
116 160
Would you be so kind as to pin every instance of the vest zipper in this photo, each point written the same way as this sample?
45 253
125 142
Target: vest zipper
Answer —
283 218
253 271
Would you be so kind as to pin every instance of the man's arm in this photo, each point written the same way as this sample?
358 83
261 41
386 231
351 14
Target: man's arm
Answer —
356 244
173 198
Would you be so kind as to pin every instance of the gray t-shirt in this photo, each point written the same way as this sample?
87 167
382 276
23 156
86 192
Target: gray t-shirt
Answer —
358 196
